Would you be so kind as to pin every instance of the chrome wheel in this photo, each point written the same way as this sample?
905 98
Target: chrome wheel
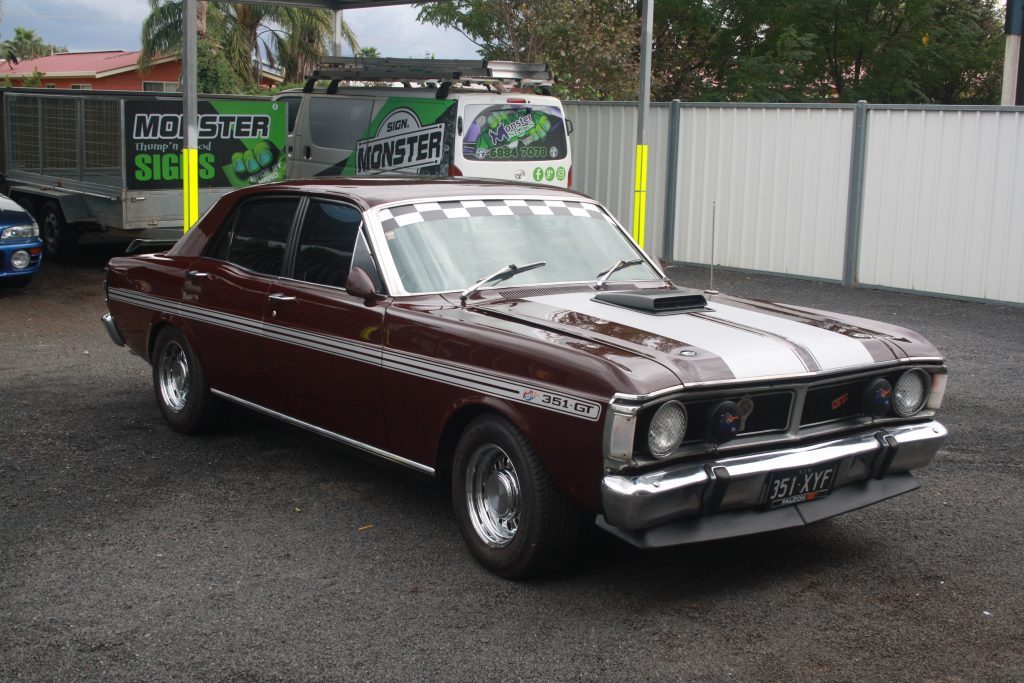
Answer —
174 377
493 495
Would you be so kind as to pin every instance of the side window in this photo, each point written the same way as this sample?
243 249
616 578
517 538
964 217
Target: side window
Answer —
326 244
293 109
337 122
256 234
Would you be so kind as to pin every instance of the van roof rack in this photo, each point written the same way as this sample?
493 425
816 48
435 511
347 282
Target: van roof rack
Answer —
447 71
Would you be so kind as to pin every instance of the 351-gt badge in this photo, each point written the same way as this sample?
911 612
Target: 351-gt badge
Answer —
561 403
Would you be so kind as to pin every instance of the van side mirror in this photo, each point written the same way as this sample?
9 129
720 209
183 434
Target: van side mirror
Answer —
568 126
361 286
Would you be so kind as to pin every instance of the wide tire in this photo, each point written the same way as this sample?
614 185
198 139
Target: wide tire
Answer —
60 239
180 383
513 518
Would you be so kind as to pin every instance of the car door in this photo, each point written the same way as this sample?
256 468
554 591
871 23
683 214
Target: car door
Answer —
323 350
225 293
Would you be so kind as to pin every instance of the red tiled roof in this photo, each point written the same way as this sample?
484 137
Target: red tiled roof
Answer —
74 64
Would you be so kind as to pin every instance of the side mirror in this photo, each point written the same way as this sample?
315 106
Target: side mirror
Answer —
568 126
361 286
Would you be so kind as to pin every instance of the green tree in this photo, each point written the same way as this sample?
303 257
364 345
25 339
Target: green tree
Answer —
26 44
369 52
305 37
944 51
591 46
213 73
245 35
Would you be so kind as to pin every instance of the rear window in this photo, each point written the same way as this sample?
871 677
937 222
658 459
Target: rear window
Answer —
514 132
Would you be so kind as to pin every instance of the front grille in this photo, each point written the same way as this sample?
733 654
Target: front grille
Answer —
783 413
770 414
834 402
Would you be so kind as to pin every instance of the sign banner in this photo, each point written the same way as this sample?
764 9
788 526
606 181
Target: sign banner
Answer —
408 135
510 132
241 143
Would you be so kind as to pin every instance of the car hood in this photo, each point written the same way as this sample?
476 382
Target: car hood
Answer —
729 339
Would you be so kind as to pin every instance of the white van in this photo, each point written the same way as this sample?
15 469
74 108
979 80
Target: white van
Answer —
467 124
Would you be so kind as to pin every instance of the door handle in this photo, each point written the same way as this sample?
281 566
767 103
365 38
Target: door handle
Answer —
196 275
307 152
281 297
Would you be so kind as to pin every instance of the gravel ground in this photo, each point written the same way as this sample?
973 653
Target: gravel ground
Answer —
128 551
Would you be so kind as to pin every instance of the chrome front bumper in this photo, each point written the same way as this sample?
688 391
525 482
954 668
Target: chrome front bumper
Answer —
722 498
111 328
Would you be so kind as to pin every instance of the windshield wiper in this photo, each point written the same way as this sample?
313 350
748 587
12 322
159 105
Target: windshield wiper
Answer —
505 273
603 276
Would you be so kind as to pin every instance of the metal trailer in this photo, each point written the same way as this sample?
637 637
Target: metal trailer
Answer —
64 160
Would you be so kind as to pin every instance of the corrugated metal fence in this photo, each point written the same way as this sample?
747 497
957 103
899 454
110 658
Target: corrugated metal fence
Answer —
928 199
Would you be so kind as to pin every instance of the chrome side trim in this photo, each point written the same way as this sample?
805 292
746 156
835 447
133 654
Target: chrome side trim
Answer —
445 372
366 448
740 482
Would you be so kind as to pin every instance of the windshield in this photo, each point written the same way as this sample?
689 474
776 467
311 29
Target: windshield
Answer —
448 246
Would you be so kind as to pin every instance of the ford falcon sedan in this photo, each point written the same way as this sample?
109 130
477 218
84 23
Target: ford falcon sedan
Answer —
513 343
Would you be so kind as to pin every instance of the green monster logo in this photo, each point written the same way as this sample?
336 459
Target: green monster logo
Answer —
508 128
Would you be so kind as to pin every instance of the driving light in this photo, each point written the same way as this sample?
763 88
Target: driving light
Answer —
20 260
877 399
910 393
667 429
724 422
19 232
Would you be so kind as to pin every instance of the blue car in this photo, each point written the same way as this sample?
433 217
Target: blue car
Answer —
21 250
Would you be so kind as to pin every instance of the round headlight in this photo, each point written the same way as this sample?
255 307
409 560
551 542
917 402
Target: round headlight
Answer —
910 393
724 421
20 259
877 399
667 429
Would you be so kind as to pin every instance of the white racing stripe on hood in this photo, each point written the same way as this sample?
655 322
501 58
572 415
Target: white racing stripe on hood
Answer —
831 349
747 354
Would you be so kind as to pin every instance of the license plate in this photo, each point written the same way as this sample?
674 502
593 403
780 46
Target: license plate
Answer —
800 485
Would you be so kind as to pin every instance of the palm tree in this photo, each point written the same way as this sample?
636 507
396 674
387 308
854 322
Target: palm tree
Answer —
161 30
246 34
26 44
306 39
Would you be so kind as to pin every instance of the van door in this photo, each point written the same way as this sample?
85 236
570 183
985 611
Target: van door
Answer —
294 103
513 137
326 133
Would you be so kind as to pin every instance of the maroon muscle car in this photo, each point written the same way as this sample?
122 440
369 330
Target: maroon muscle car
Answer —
514 343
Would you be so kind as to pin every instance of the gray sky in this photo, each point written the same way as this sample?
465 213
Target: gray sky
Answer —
114 25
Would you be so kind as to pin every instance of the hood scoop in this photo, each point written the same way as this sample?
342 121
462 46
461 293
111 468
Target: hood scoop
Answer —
655 301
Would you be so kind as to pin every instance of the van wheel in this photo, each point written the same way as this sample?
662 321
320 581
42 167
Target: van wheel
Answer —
512 517
60 240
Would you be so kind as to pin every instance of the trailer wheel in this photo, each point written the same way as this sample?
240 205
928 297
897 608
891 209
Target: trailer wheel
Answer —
60 240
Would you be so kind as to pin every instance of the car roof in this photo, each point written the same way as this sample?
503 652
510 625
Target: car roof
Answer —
379 190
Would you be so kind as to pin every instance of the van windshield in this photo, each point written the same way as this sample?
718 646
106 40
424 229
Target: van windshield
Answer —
514 132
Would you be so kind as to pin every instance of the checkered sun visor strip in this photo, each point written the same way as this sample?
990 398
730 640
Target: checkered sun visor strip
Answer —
408 214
